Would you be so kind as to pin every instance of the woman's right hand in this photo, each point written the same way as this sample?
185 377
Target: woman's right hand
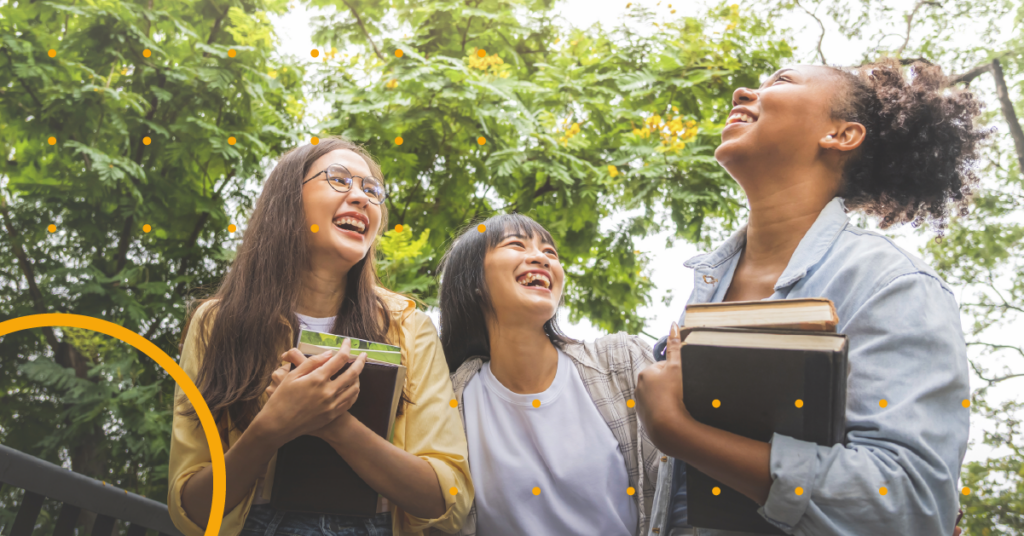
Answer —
305 399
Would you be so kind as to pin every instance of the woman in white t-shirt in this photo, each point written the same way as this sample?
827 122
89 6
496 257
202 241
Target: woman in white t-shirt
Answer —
554 442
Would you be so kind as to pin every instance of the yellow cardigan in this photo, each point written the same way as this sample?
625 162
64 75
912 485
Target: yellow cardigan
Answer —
429 428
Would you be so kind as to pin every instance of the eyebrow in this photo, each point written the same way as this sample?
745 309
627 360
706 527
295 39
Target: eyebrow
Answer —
521 237
777 75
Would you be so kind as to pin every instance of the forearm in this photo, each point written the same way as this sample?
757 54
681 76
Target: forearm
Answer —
244 462
741 463
404 479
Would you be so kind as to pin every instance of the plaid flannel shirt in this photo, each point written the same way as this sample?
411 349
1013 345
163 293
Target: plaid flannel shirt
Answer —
609 368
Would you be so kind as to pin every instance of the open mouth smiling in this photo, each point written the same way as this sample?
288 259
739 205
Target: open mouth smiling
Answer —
352 222
534 279
741 115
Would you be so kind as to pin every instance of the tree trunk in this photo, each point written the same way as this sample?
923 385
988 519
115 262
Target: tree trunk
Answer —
1008 113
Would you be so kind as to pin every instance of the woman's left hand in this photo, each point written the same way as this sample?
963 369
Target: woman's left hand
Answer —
659 390
323 433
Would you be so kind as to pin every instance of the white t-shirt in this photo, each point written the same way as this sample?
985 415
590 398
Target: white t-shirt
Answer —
564 447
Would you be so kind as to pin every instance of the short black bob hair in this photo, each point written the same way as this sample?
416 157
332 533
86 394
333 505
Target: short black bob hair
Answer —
464 300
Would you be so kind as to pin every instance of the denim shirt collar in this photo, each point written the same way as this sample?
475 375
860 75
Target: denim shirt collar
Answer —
710 267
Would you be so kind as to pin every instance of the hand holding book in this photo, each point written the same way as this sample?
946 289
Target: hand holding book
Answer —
659 390
312 395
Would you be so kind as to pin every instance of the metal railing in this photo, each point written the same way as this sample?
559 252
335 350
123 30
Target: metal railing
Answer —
41 479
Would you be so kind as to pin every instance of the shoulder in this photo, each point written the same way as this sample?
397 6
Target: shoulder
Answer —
613 351
873 261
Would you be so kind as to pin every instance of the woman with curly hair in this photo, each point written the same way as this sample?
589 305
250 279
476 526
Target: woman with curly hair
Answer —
809 145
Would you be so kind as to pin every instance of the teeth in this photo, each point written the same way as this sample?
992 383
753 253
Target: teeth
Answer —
358 224
739 117
526 279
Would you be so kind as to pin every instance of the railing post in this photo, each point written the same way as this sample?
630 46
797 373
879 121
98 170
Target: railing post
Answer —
104 526
28 512
66 520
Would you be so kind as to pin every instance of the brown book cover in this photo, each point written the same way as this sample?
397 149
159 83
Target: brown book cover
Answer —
805 314
312 477
757 376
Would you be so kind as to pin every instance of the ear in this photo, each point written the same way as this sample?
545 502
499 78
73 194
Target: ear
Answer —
845 136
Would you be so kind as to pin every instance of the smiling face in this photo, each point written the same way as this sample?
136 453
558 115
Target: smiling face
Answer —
524 279
784 122
348 223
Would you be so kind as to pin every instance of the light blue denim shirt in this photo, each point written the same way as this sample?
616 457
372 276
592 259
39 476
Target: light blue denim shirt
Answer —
906 346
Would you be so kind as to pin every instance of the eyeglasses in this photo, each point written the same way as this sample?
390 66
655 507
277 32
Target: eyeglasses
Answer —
341 180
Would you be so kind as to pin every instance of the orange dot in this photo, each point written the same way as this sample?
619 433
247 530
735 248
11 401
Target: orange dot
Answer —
481 140
481 227
966 490
536 403
630 491
481 52
146 140
314 52
232 53
966 403
314 140
716 403
398 140
454 490
882 490
314 227
453 403
52 228
51 140
147 228
398 228
799 403
51 53
231 140
630 403
716 490
146 53
398 53
799 490
536 491
883 403
232 228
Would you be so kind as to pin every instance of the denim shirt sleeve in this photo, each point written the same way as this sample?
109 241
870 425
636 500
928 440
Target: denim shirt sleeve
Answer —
907 348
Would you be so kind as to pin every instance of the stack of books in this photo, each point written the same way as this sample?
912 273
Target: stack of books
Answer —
756 369
310 475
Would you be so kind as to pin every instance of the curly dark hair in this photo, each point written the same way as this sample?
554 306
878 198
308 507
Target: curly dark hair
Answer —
920 149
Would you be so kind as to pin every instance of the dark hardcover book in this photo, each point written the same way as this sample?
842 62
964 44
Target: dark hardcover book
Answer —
312 477
758 377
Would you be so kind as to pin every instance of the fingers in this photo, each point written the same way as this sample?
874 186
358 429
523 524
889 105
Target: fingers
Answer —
305 365
672 353
352 374
338 360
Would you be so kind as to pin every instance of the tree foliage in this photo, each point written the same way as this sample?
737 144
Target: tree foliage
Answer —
132 135
603 135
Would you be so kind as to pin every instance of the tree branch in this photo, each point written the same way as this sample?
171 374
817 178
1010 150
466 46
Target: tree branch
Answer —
363 28
967 77
820 37
1008 114
26 268
910 22
22 82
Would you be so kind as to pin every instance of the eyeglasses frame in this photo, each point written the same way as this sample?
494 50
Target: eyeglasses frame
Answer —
350 174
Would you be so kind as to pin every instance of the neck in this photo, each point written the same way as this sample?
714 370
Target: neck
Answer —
523 359
782 210
321 292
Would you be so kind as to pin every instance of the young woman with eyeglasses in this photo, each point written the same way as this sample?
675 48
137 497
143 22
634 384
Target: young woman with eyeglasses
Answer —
307 261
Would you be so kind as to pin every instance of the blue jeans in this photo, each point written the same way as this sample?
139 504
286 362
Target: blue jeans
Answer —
265 521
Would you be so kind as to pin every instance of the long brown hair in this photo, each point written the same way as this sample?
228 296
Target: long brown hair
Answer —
255 304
